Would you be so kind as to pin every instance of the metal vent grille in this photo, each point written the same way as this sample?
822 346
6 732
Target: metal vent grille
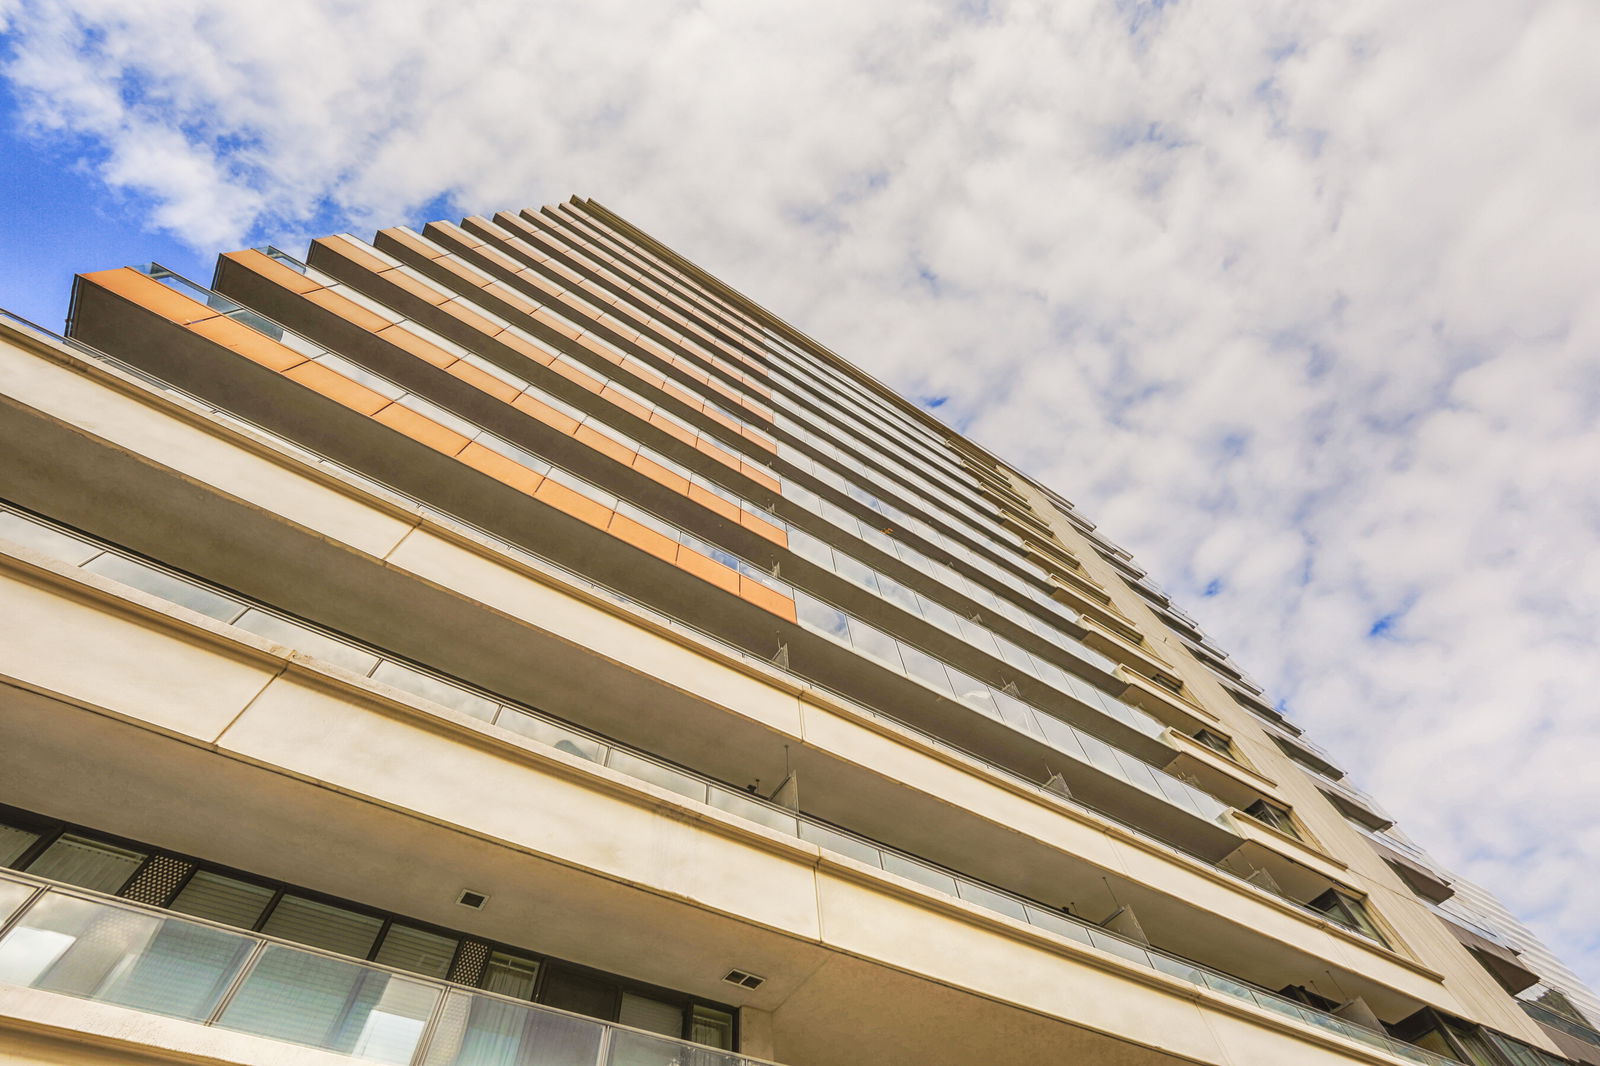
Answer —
157 880
467 969
744 980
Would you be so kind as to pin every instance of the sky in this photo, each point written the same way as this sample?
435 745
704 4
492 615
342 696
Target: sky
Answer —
1296 298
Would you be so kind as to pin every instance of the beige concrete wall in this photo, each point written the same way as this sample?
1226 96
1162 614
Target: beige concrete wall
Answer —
432 553
606 858
1418 933
250 723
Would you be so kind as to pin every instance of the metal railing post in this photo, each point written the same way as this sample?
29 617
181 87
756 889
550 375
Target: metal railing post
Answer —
238 980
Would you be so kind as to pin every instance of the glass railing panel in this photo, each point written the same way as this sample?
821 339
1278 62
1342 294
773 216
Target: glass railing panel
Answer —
303 638
166 586
654 773
432 688
475 1030
1123 949
71 550
749 808
13 894
1228 987
921 873
841 843
629 1048
79 947
1059 924
545 732
989 899
331 1004
1177 968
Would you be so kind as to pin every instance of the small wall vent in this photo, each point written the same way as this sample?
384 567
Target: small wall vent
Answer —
744 980
475 900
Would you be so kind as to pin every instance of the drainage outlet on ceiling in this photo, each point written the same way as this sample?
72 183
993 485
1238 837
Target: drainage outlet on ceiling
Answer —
744 980
475 900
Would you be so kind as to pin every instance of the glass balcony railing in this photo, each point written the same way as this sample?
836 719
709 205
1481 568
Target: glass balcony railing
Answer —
456 695
1546 1016
904 658
832 559
635 764
75 943
1453 915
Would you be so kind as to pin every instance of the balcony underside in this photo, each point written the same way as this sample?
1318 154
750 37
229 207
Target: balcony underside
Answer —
831 989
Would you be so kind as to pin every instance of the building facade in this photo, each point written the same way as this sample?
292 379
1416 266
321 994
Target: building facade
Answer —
507 644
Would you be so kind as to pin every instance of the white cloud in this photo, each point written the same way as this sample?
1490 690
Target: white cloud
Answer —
1296 296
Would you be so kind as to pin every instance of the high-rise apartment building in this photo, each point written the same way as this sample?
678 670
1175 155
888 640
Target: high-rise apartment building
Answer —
507 645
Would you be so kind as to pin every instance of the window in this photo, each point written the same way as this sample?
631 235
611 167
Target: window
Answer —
322 925
1346 911
406 947
14 842
651 1015
87 863
1277 817
710 1026
1216 742
511 975
223 899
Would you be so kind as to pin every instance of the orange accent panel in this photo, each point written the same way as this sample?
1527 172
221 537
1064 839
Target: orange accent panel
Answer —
420 289
484 381
725 391
247 342
658 473
337 387
761 477
545 318
578 506
594 345
506 294
455 309
582 377
711 501
605 445
274 271
532 277
761 527
757 439
421 428
348 310
771 599
667 426
359 256
522 347
427 351
707 570
721 455
498 258
150 294
466 276
411 242
651 379
627 403
721 419
500 468
683 395
545 413
652 347
458 234
643 537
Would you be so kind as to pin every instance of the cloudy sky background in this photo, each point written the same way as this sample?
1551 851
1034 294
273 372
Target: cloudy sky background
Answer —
1295 297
